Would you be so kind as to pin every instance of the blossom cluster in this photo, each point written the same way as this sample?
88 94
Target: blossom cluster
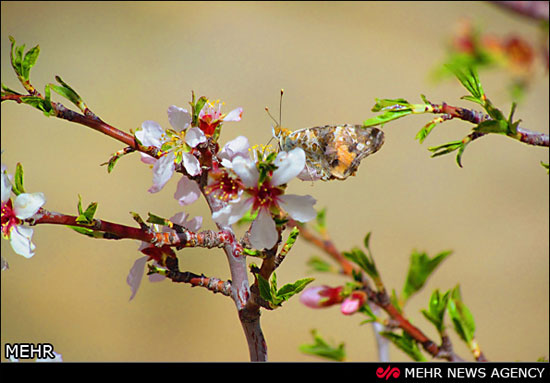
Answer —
239 180
14 213
236 180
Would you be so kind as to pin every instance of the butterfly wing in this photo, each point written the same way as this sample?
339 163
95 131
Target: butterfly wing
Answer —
346 145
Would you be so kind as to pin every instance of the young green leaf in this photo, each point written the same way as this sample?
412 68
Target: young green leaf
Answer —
321 221
469 78
17 187
269 291
322 349
421 267
290 289
320 265
155 219
66 91
382 103
492 126
406 344
86 217
436 309
363 261
445 148
461 316
29 60
367 310
265 289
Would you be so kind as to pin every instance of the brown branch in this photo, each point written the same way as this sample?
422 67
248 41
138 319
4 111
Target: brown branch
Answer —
90 120
213 284
180 239
475 117
381 299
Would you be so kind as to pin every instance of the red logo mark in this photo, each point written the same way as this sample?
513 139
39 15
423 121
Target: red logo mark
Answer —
389 371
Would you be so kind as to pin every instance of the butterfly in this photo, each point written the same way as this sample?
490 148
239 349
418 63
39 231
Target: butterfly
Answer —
332 151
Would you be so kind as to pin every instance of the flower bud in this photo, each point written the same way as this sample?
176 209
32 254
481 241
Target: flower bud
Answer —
351 304
321 296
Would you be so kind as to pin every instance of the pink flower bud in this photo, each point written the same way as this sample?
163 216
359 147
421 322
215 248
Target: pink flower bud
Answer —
351 304
321 296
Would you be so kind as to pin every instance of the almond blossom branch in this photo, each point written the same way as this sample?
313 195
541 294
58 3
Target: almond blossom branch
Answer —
379 298
181 238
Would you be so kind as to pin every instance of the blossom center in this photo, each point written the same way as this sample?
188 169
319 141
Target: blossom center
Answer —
265 196
9 220
224 187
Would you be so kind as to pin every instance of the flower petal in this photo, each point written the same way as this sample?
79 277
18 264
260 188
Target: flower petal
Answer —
151 134
245 168
27 204
6 186
136 275
194 136
187 191
263 233
193 224
232 212
234 115
237 147
179 118
289 166
191 164
162 172
20 241
298 207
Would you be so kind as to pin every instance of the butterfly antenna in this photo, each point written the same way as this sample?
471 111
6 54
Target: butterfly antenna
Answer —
281 108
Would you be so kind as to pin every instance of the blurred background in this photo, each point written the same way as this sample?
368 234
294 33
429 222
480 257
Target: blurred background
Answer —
131 60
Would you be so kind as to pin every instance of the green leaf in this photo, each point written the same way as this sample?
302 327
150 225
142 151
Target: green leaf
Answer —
367 310
389 115
445 148
22 64
469 78
9 91
425 131
363 261
492 126
87 232
290 241
269 292
265 288
196 108
322 349
546 166
421 267
407 344
17 187
86 217
495 113
321 220
28 62
291 289
66 91
155 219
382 103
436 309
318 264
461 316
